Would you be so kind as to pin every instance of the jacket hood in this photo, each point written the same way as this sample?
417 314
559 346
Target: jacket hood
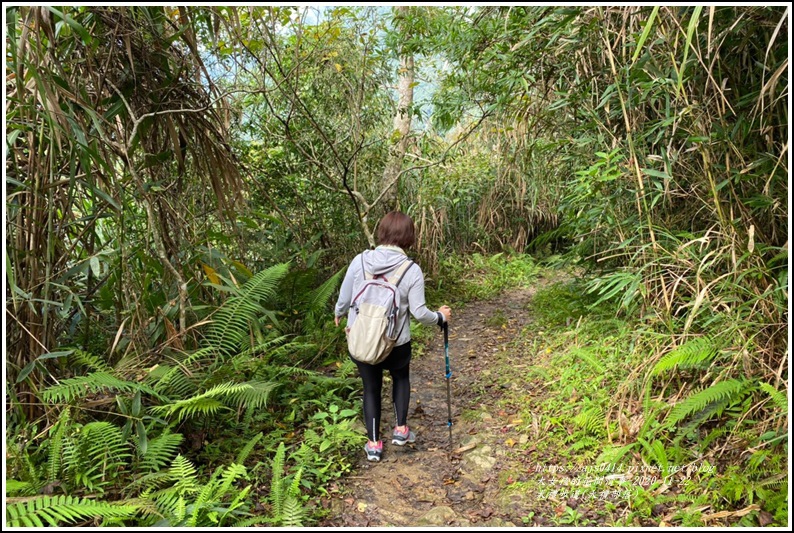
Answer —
383 259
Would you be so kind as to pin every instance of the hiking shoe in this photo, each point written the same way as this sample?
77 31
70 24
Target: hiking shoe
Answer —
401 437
374 452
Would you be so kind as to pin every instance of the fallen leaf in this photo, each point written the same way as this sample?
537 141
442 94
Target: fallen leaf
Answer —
765 518
510 443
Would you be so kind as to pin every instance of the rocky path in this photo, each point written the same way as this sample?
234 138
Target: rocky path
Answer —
423 484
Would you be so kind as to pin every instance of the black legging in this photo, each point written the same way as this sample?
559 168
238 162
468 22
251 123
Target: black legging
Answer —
397 363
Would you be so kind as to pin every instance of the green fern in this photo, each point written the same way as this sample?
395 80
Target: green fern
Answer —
174 381
160 451
318 300
187 502
69 390
62 510
588 357
584 442
81 358
183 473
276 484
730 389
55 456
248 448
778 398
240 395
592 420
293 513
693 353
14 487
147 484
612 455
285 493
212 494
178 381
231 323
96 455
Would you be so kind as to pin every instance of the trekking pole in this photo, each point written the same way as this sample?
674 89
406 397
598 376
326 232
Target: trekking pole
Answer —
445 327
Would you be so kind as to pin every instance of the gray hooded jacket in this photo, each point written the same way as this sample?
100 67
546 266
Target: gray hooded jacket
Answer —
384 260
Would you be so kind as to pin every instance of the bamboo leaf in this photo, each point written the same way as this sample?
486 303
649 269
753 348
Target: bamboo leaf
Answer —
645 32
693 22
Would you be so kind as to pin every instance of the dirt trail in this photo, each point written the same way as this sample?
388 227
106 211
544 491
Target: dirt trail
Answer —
420 484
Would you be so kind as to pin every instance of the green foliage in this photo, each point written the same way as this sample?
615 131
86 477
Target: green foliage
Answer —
287 508
720 394
63 510
592 420
480 277
233 321
160 451
694 353
94 458
252 394
588 357
69 390
777 397
187 502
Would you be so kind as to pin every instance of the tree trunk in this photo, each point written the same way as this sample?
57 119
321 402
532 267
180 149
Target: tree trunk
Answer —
402 127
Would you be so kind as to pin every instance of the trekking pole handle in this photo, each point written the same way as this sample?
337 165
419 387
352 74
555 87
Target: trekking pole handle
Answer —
445 329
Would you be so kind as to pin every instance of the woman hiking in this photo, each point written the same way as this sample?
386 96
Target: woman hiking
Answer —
389 262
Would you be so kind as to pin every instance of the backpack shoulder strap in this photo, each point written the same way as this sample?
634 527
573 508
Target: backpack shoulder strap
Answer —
400 272
367 275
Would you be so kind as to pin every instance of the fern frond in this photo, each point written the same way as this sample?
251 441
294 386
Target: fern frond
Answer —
14 487
93 362
588 357
231 322
248 522
271 346
318 299
583 443
95 456
179 381
778 397
184 474
248 448
231 473
62 510
693 353
728 389
295 485
205 495
160 451
613 454
293 513
173 381
276 485
55 456
297 371
69 390
592 420
255 395
149 483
